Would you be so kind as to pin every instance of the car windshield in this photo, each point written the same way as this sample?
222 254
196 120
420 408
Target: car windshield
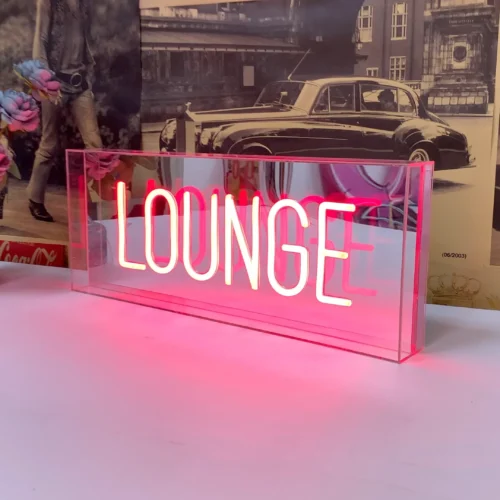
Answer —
285 93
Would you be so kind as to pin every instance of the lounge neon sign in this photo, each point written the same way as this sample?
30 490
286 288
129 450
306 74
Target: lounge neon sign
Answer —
250 252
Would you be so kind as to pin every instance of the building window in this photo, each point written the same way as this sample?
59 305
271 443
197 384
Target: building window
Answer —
397 67
230 64
248 76
373 72
365 23
177 64
399 21
163 65
149 66
443 4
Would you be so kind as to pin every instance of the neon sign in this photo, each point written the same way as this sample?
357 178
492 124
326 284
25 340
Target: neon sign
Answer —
248 243
332 252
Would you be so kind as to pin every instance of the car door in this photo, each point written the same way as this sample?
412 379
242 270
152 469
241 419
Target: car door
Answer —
334 132
383 109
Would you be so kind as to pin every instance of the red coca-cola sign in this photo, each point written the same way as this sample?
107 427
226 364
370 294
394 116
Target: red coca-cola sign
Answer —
41 254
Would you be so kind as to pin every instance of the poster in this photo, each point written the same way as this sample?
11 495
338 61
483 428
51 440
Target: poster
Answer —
98 44
270 68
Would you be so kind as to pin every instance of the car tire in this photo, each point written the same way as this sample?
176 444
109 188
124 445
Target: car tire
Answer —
257 151
420 153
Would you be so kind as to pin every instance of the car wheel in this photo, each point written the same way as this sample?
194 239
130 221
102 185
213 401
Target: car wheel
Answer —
257 151
419 154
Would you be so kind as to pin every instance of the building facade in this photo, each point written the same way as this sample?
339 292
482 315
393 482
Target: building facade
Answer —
326 28
444 49
391 38
214 56
460 52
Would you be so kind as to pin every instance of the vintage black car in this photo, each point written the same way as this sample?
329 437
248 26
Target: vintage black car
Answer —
352 117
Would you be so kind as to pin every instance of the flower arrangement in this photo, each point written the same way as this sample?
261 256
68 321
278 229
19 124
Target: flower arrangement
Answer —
5 160
39 80
99 165
105 169
19 111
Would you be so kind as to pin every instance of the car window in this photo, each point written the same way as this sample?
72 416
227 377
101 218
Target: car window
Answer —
406 103
386 99
335 98
280 92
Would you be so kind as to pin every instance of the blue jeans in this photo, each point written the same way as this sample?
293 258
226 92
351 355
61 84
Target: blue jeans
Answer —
82 108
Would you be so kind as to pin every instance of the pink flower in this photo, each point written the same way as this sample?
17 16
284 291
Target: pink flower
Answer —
5 161
41 80
19 110
101 164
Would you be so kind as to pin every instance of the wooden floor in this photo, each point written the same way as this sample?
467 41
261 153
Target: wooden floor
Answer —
18 223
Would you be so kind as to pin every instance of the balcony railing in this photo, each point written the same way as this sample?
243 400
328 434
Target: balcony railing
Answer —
416 85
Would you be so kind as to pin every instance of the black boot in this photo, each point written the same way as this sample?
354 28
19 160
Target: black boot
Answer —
39 212
3 194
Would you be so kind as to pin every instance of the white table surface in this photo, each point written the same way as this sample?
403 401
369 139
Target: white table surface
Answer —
103 400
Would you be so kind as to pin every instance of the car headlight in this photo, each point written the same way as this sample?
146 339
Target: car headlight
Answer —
472 157
206 136
169 130
168 136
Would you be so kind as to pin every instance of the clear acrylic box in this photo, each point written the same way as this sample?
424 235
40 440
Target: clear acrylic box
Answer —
327 251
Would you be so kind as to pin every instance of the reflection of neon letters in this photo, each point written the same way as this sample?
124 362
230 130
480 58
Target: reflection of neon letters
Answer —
181 237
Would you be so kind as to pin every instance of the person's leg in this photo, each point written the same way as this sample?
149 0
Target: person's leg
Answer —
85 116
44 159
